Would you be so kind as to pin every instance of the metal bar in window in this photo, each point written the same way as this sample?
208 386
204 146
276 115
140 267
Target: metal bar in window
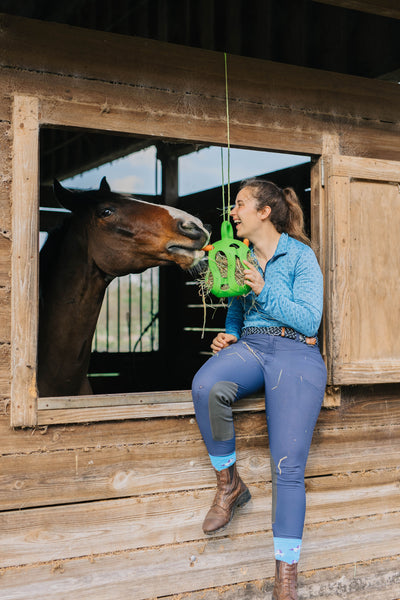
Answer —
107 318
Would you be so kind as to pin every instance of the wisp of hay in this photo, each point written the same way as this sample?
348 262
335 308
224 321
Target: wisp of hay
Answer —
205 281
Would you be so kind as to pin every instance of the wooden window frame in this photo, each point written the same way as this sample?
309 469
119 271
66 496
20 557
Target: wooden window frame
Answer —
76 78
27 408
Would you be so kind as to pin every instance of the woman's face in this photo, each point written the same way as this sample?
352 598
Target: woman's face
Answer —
245 214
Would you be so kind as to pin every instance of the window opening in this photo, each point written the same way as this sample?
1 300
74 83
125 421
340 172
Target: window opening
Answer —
139 320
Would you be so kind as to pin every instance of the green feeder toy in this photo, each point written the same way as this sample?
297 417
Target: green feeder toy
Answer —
225 262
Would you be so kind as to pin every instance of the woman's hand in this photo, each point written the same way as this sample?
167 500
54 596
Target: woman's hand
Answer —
222 341
253 278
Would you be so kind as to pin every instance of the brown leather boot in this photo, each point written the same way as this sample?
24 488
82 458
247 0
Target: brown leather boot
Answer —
285 581
231 492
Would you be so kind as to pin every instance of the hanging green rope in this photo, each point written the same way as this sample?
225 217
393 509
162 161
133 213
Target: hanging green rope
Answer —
227 137
224 277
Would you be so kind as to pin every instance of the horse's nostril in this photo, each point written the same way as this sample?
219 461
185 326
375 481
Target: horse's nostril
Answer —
191 229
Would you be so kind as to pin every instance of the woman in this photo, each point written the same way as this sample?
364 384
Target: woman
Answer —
270 341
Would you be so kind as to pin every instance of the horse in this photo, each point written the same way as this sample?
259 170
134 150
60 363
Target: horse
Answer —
107 235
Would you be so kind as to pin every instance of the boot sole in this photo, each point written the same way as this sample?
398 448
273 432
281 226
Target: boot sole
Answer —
241 501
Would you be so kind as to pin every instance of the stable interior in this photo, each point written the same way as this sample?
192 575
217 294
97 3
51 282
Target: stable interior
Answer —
155 329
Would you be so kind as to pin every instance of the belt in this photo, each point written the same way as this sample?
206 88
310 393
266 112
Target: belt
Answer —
286 332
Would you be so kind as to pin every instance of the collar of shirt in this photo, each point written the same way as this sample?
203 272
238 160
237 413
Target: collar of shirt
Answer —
281 249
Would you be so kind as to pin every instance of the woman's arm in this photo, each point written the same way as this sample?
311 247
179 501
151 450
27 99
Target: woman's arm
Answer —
302 310
234 317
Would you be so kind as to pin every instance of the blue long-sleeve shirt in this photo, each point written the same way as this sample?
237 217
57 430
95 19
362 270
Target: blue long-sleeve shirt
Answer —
291 297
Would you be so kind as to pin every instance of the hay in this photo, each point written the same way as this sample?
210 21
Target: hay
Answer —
205 282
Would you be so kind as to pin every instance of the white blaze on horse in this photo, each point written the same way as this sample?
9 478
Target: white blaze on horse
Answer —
107 235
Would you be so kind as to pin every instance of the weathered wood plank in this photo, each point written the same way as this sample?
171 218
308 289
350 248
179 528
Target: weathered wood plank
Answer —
42 478
372 580
255 402
149 573
5 315
78 409
158 91
54 533
133 408
5 370
384 8
89 54
370 353
25 271
360 168
360 410
5 259
5 201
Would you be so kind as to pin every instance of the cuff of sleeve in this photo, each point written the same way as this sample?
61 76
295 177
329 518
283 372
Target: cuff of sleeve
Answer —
233 332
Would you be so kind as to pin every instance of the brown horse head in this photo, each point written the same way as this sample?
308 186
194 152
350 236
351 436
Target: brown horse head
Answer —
128 235
108 235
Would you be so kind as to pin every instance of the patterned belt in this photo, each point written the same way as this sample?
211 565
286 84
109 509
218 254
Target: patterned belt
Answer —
286 332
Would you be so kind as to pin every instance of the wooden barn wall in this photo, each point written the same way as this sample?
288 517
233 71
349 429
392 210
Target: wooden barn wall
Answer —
114 509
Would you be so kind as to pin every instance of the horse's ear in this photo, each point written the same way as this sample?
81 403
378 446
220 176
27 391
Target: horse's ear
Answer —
66 197
104 187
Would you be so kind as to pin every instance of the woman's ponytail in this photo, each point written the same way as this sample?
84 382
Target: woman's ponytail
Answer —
286 212
295 221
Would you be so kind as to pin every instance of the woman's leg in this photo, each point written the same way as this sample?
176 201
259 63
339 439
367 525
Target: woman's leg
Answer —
294 390
229 375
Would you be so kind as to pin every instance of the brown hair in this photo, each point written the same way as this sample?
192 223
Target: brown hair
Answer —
286 212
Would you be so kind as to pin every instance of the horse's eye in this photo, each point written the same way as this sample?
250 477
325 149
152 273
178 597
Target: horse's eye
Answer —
105 212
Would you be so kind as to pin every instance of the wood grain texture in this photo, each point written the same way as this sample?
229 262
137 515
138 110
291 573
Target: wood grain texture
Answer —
56 533
44 478
150 573
25 271
5 180
172 91
362 271
371 580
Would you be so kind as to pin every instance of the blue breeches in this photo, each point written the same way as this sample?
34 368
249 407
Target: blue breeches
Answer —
293 375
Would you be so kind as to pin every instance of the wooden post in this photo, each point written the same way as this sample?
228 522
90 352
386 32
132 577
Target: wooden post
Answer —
24 261
169 161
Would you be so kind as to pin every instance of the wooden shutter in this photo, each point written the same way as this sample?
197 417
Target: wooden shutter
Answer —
360 239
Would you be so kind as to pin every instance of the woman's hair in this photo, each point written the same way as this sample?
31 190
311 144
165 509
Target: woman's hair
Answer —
286 212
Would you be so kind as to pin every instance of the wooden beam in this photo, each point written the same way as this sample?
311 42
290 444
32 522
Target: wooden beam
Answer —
175 92
155 572
374 580
24 282
383 8
94 473
178 517
358 412
106 407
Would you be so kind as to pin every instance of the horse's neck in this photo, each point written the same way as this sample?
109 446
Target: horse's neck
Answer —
74 291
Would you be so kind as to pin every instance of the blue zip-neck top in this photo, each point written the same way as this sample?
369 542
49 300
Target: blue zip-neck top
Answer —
291 297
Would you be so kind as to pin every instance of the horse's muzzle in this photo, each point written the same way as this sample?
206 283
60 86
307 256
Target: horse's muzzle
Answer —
193 231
